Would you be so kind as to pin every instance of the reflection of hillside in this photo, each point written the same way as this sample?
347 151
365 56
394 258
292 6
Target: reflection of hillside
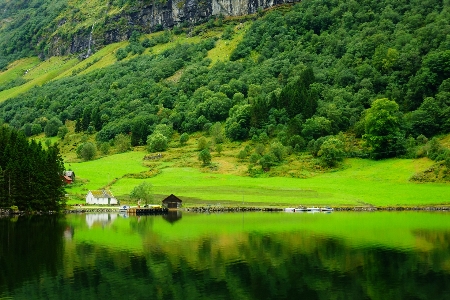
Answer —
261 266
264 256
227 257
434 244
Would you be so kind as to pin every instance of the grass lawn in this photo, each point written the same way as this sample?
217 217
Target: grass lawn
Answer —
362 182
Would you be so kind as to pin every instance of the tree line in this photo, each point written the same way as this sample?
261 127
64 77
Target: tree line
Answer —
30 176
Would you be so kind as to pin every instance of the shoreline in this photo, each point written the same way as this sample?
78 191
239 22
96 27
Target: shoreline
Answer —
209 209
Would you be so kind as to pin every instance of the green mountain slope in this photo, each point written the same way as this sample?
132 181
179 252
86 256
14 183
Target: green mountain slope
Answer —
296 75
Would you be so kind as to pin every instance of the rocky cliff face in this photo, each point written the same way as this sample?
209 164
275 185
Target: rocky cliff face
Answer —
157 16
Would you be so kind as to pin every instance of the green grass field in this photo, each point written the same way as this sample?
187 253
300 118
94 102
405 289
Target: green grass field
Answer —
361 182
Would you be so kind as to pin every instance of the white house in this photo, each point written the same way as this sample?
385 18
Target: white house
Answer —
101 197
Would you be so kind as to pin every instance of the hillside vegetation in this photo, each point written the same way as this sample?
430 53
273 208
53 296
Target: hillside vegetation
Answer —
323 80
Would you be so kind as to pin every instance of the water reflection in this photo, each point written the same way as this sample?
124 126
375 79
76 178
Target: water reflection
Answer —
172 216
230 256
100 219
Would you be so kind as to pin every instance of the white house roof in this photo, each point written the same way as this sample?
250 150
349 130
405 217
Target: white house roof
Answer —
101 194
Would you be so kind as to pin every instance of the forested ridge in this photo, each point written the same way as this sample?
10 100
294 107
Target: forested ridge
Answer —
376 70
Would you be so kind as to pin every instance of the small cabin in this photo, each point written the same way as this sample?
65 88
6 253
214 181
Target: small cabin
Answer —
172 202
102 197
70 174
67 179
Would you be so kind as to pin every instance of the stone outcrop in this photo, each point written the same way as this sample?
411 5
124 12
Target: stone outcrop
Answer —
156 16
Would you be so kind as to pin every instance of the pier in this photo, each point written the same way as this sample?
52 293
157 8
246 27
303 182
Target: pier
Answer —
147 211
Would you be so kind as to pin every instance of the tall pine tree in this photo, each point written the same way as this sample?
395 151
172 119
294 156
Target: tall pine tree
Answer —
298 97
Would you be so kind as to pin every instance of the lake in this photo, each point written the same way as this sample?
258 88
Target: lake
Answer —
339 255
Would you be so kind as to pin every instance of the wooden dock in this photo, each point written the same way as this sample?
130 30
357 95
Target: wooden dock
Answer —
147 211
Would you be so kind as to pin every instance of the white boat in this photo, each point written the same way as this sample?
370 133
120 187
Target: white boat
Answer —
124 208
289 209
300 209
312 208
327 208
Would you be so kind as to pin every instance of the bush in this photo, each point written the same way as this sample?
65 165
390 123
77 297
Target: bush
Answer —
122 142
267 161
278 151
62 131
121 54
331 151
36 129
259 149
216 133
104 148
205 157
421 140
157 142
184 138
86 151
26 129
51 129
316 127
219 148
202 143
242 154
297 142
314 145
254 158
164 129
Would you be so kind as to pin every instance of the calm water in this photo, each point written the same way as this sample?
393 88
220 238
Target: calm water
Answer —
227 256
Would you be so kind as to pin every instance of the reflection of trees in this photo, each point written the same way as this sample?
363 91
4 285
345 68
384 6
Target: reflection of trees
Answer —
256 266
30 247
142 225
253 266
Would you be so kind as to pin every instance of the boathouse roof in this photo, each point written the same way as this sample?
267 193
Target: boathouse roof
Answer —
172 198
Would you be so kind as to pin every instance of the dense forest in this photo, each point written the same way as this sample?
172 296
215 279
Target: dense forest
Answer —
30 177
378 70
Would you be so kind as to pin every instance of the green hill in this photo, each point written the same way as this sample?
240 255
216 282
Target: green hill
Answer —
301 81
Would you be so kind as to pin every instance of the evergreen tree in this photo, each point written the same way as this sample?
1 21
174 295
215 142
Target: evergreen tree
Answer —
30 177
298 97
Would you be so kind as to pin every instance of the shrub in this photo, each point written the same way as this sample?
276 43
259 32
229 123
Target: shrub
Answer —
278 151
121 54
254 158
26 129
421 140
184 138
157 142
51 129
267 161
331 152
86 151
104 148
259 149
219 148
164 129
205 157
202 143
242 154
122 142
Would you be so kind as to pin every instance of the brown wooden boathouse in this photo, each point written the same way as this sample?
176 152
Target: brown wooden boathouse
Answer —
172 202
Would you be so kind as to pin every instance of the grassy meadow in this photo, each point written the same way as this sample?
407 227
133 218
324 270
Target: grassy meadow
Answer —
359 182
